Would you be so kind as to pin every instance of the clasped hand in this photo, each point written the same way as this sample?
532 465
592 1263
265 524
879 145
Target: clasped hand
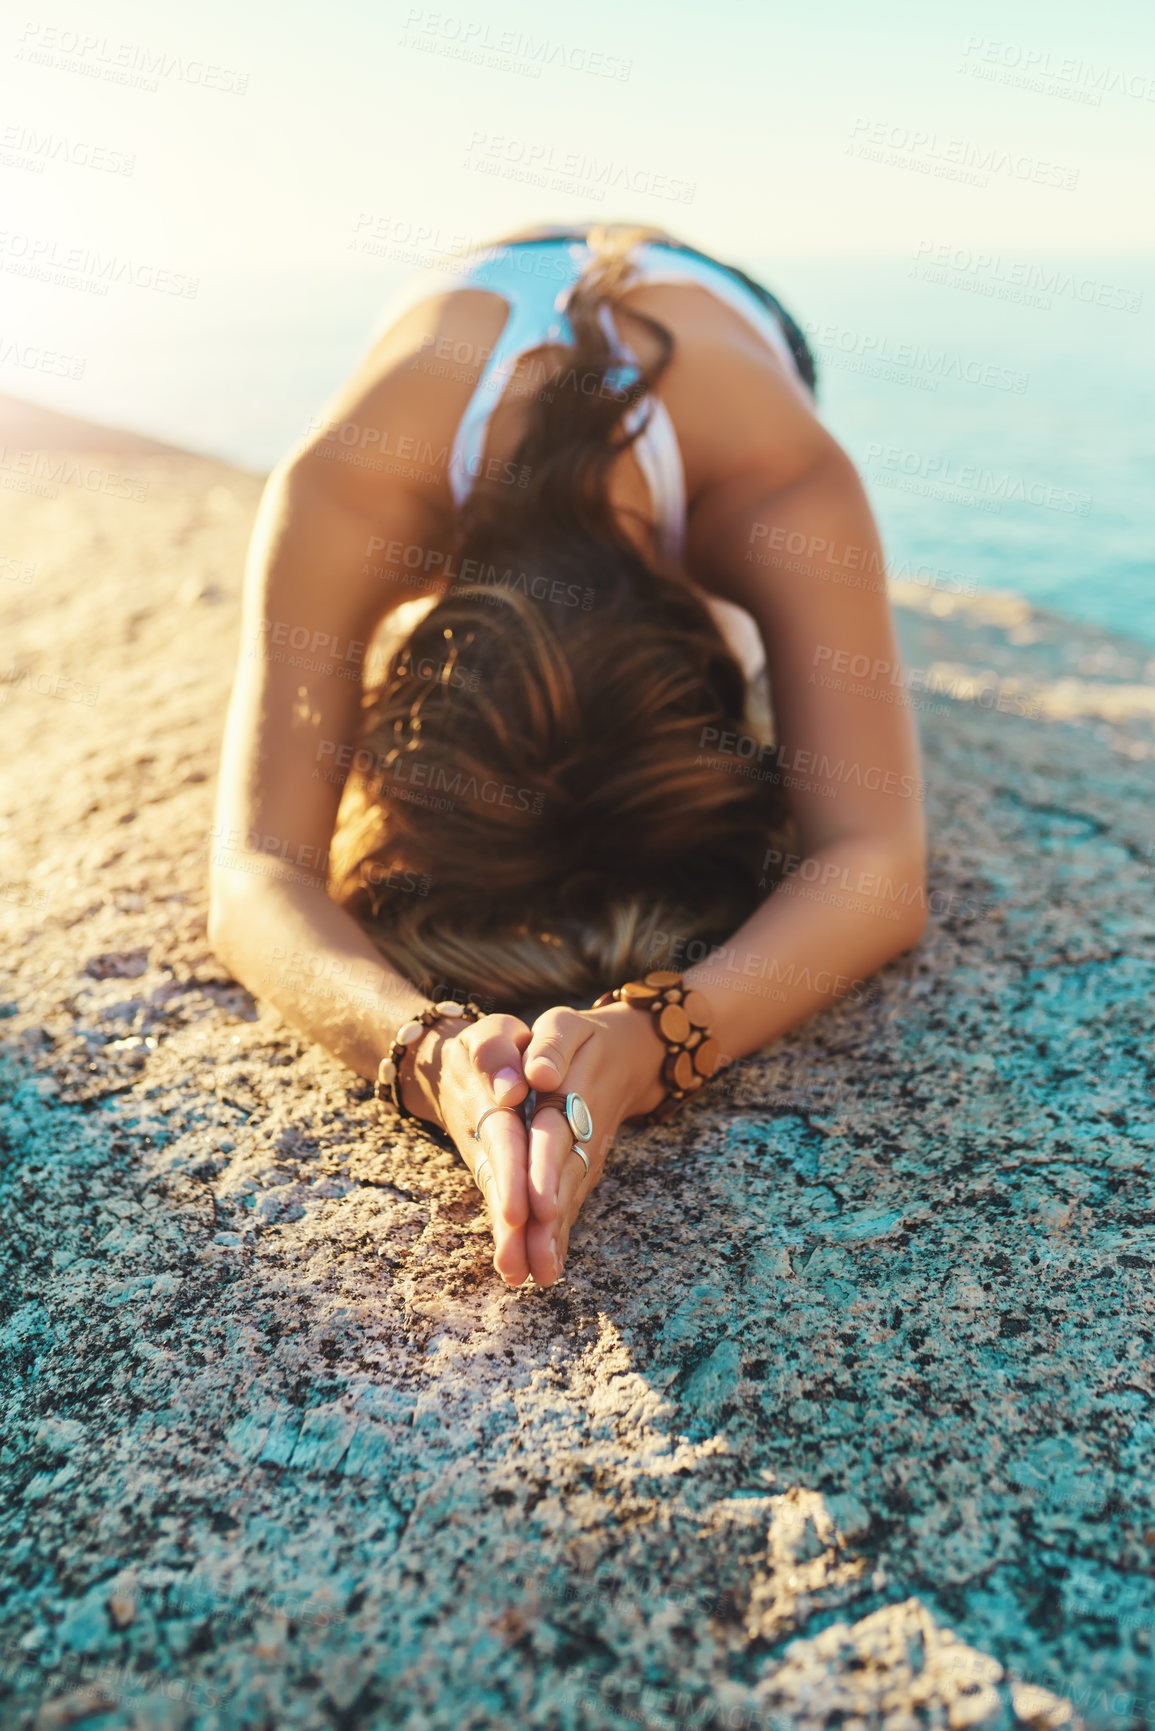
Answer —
533 1183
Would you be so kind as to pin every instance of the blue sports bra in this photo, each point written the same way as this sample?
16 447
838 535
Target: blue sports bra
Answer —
536 278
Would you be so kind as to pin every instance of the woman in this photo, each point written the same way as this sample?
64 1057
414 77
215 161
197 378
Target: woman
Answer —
579 506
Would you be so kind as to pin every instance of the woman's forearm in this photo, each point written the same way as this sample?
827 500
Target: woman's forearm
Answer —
839 915
295 948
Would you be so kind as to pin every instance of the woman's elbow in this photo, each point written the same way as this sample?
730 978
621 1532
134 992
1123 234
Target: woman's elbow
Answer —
897 880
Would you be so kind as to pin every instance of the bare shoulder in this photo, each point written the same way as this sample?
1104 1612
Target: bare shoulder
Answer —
391 423
735 403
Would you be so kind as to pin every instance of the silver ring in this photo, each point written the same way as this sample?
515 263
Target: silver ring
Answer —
577 1114
488 1113
579 1117
582 1156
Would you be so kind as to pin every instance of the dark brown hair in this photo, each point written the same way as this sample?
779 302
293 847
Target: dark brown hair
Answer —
533 811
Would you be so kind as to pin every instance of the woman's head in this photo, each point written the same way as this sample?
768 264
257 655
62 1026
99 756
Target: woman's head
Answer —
534 761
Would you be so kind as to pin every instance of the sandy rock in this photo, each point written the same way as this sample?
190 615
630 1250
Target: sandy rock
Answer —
842 1413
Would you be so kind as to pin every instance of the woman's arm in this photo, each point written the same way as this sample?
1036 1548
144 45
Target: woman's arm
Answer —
806 561
316 586
309 610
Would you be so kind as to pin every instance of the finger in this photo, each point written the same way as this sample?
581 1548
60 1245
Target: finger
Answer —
468 1093
495 1045
558 1035
558 1182
550 1145
576 1187
499 1163
547 1259
576 1184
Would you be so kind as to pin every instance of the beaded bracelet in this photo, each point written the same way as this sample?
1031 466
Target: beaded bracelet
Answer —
407 1038
680 1020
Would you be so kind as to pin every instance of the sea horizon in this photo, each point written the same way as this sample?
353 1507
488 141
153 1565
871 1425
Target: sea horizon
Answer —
980 394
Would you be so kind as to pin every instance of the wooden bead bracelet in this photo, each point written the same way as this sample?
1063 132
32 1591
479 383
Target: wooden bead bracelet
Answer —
681 1021
407 1038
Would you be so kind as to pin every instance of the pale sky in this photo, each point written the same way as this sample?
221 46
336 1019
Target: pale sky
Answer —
750 111
324 138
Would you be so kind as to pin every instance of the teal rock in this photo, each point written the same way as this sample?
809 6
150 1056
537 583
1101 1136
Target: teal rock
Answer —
844 1413
711 1389
324 1437
284 1428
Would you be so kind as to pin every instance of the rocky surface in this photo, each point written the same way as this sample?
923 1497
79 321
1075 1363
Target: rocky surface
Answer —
843 1412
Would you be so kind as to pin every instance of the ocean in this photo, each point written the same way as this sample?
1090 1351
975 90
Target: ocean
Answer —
1002 412
1000 408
